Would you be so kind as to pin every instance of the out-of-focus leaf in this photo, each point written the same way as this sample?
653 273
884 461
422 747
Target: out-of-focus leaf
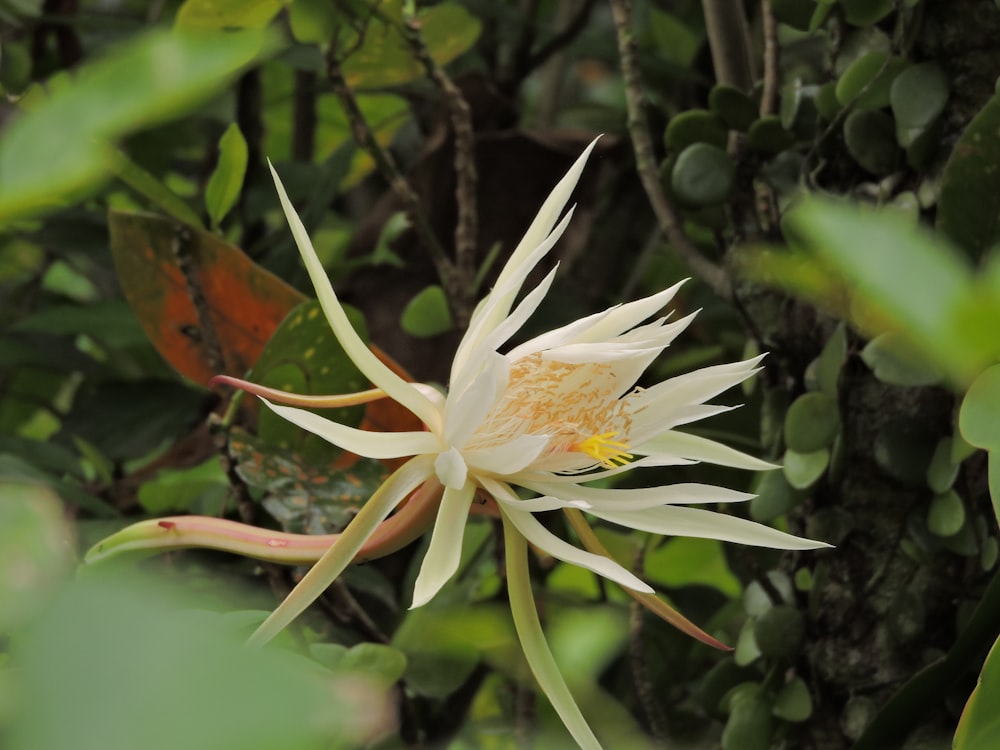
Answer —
220 15
978 418
969 206
375 661
803 470
35 550
16 470
168 677
303 497
979 727
245 303
385 58
812 422
151 79
110 322
427 314
227 180
201 489
686 561
893 362
147 185
314 21
793 702
896 268
127 420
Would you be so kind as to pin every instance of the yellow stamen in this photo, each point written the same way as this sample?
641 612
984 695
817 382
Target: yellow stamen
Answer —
610 453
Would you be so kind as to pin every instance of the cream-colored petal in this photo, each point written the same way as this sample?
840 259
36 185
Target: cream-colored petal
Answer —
545 540
362 442
635 499
380 375
672 520
451 468
465 410
695 447
503 493
445 550
509 457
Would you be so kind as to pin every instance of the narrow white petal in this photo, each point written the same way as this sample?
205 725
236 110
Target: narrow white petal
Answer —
642 498
362 442
679 521
502 493
524 310
445 550
548 542
451 469
686 445
465 410
380 375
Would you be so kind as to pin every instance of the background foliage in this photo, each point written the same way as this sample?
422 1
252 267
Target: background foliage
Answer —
827 170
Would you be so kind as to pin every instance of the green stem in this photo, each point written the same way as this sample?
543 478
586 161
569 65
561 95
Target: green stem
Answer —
536 650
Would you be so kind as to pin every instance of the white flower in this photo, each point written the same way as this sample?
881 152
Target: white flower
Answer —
549 416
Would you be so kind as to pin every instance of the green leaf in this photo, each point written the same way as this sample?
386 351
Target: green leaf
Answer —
746 651
374 660
703 175
979 416
220 15
686 561
767 134
384 57
979 726
775 497
695 126
918 96
969 206
866 12
803 470
868 80
946 514
779 631
34 554
811 423
749 725
226 182
736 109
942 470
894 362
793 702
151 79
304 356
831 360
200 489
314 21
148 186
870 136
427 314
872 250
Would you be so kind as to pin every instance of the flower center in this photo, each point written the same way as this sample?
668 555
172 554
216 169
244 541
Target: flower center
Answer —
576 405
610 453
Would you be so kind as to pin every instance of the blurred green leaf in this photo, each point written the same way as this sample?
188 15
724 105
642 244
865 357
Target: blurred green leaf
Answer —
969 206
793 702
165 677
868 80
979 726
686 561
226 182
221 15
946 514
35 551
703 175
147 80
803 470
201 489
979 417
147 185
427 314
812 422
749 725
894 362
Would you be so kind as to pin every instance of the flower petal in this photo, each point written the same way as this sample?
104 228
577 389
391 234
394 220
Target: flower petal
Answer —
686 445
375 370
672 520
642 498
451 468
545 540
400 483
536 651
445 550
507 458
466 409
362 442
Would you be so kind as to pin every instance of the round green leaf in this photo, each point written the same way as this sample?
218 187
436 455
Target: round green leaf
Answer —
866 12
811 423
803 470
979 417
868 80
427 314
775 497
746 651
918 95
871 140
942 471
736 109
767 134
717 684
703 175
779 631
826 102
695 126
903 450
749 725
946 514
894 363
793 702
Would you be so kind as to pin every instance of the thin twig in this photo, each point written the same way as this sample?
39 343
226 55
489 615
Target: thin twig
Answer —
386 165
769 94
637 658
645 160
729 40
572 29
459 285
